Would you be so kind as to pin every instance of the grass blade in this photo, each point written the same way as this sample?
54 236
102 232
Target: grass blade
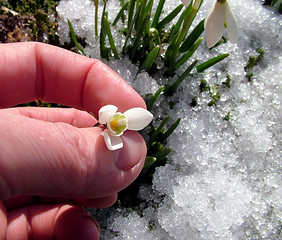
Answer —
120 13
130 14
169 17
147 64
96 16
177 26
131 27
142 15
110 36
162 154
104 51
148 10
158 130
205 65
154 98
170 89
138 37
74 39
193 36
149 161
158 13
170 130
188 54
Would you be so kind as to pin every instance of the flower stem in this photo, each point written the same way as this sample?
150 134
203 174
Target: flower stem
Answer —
187 23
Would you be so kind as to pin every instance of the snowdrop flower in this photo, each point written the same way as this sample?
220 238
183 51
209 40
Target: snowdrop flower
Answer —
186 2
116 123
220 16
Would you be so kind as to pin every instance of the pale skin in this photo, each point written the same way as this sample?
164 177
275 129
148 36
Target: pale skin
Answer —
52 161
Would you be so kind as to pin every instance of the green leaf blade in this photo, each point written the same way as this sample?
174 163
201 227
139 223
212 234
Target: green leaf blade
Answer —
205 65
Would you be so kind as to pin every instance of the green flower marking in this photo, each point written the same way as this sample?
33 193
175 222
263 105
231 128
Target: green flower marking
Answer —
117 124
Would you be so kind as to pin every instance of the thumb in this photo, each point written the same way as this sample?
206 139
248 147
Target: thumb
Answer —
58 159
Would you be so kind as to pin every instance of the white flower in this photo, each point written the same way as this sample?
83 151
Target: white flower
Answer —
220 16
186 2
116 123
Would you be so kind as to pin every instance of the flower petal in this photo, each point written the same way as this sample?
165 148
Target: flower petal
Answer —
138 118
186 2
106 112
214 24
231 24
112 142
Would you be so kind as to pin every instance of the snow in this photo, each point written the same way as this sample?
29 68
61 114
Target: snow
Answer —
224 177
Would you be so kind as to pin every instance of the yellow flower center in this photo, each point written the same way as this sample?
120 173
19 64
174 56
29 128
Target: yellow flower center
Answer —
117 124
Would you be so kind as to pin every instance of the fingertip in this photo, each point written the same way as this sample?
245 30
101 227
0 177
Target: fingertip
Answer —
75 223
132 153
3 221
109 88
103 202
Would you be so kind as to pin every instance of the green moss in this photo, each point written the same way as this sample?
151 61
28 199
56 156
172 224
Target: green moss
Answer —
215 95
194 102
38 10
227 82
227 117
204 86
253 61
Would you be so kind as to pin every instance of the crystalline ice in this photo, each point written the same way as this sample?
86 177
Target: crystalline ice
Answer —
224 178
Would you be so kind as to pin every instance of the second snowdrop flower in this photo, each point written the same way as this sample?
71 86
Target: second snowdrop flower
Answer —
116 123
220 16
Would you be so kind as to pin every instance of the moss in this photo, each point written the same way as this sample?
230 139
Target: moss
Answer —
214 94
194 102
33 17
227 117
227 82
252 62
204 86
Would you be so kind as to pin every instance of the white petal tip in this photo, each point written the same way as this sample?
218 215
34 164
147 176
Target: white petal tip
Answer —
138 118
106 112
112 142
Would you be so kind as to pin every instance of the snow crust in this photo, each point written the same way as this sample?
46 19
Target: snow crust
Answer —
224 177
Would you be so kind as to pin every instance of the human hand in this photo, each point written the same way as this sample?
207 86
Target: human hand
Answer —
52 161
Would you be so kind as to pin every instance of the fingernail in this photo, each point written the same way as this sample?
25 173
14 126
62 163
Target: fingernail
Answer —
132 152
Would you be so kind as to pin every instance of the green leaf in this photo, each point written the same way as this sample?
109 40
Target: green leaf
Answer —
120 13
176 28
142 15
148 10
73 36
158 13
162 154
158 130
147 64
188 54
171 88
193 36
130 27
169 17
96 16
104 51
110 36
170 130
174 49
205 65
154 98
130 15
149 160
138 37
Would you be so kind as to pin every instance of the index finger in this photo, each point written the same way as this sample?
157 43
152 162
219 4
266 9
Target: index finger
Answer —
37 71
